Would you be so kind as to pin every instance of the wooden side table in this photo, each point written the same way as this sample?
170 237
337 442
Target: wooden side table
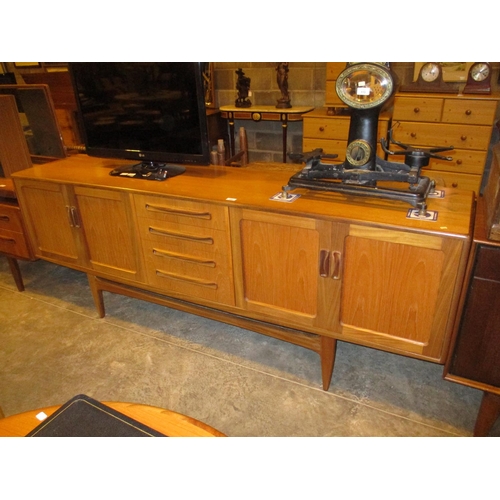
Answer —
167 422
263 113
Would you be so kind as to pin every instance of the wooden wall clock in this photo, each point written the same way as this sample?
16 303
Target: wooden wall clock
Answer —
430 79
478 79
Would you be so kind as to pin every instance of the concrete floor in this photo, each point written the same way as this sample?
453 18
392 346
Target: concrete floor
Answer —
53 346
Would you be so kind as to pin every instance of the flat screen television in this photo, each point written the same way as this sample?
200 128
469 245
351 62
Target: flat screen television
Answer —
153 112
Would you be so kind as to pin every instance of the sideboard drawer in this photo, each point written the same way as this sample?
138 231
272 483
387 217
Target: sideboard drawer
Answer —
14 243
473 112
324 128
464 161
453 180
10 218
181 211
417 109
434 134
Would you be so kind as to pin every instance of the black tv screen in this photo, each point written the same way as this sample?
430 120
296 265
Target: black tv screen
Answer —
147 111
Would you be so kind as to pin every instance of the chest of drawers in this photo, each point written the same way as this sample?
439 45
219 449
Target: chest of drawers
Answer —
464 122
330 132
185 245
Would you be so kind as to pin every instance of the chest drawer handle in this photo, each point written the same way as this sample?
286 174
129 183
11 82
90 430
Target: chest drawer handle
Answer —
321 129
468 112
416 110
459 162
187 279
175 211
413 135
188 258
4 218
182 236
463 137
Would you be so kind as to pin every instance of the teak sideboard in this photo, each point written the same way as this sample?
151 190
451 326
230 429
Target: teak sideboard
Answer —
212 242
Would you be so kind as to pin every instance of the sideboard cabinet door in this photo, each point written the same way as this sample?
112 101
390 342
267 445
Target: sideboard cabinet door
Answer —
49 210
288 268
399 290
89 229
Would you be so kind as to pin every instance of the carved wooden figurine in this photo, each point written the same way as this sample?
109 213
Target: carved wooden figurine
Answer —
243 88
282 78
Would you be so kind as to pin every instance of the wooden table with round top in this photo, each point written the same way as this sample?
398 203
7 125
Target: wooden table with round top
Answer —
167 422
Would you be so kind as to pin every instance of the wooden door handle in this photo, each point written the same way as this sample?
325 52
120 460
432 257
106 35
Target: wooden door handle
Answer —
324 263
337 261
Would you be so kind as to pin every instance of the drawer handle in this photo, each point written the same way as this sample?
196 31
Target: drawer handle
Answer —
468 112
413 134
455 184
463 137
188 258
194 281
7 240
183 236
175 211
459 162
4 218
321 129
416 110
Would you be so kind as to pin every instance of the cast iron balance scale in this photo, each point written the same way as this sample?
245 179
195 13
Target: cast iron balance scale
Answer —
366 88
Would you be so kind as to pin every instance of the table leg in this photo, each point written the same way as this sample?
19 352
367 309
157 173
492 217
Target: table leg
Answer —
16 273
232 146
489 411
96 295
284 125
328 350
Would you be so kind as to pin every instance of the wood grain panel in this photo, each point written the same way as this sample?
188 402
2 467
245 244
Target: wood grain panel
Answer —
287 285
104 214
40 199
391 288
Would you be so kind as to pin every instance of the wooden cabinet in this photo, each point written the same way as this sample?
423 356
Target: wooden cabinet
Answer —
82 227
464 122
475 354
213 242
330 132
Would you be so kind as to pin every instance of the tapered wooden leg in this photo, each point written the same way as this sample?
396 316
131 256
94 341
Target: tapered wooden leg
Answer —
16 273
327 356
489 411
97 295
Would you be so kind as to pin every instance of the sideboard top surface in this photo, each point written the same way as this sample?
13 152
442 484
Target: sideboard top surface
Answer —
253 186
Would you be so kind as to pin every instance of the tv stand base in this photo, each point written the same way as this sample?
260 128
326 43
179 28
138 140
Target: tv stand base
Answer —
325 347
